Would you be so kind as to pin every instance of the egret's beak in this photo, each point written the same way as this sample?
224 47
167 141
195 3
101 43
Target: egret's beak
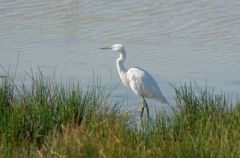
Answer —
106 48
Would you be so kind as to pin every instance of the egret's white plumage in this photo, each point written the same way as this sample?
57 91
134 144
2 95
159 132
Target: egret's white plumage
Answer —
137 79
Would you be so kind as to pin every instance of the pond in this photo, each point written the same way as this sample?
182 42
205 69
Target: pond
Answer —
177 41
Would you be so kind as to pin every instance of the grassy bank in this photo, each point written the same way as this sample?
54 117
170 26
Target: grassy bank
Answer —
49 119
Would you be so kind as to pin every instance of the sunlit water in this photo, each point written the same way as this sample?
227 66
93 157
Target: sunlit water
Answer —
176 41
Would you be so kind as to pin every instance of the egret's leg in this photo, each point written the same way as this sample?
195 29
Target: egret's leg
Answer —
146 107
143 107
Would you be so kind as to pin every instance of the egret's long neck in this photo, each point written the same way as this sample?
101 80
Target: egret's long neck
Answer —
120 63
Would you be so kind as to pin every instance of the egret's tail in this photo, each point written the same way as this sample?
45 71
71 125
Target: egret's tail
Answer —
162 99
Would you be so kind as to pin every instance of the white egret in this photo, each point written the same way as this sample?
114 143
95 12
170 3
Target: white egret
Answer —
137 79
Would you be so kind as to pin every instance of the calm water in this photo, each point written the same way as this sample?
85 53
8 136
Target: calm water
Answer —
176 41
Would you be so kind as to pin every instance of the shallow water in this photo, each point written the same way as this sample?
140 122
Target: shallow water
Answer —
176 41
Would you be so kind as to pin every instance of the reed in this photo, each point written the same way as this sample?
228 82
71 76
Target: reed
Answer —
52 119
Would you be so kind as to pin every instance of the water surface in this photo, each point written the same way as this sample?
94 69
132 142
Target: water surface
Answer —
176 41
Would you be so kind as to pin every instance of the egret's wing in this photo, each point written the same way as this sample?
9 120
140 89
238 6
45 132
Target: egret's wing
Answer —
143 84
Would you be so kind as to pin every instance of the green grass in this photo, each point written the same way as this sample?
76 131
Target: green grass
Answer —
50 119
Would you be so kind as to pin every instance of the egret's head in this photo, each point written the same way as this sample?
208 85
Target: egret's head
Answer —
116 47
